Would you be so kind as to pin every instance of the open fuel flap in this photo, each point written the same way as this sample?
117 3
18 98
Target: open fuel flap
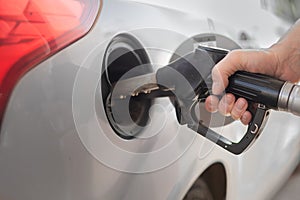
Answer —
124 58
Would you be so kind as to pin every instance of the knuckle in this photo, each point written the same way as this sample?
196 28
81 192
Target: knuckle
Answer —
222 109
236 113
246 118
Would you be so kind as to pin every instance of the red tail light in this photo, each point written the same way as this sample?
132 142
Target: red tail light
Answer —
32 30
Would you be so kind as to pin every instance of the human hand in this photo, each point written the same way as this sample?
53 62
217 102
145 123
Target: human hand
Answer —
282 61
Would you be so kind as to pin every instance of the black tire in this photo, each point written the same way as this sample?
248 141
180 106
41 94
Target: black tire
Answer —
199 191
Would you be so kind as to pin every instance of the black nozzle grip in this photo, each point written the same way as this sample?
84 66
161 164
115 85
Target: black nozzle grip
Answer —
256 88
186 74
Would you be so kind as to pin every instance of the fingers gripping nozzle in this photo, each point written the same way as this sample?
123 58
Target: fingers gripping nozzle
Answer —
258 88
274 93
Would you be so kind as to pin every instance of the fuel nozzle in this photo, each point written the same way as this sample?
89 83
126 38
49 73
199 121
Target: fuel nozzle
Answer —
187 82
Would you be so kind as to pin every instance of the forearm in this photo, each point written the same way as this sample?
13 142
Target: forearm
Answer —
287 53
292 36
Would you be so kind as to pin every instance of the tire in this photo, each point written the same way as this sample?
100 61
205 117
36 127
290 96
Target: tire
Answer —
199 191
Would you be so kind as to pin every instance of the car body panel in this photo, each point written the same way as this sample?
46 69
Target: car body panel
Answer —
43 154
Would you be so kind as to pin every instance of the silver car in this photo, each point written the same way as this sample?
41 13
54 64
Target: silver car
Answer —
60 136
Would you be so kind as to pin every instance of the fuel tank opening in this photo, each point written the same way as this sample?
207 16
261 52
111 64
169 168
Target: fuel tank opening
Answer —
125 57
